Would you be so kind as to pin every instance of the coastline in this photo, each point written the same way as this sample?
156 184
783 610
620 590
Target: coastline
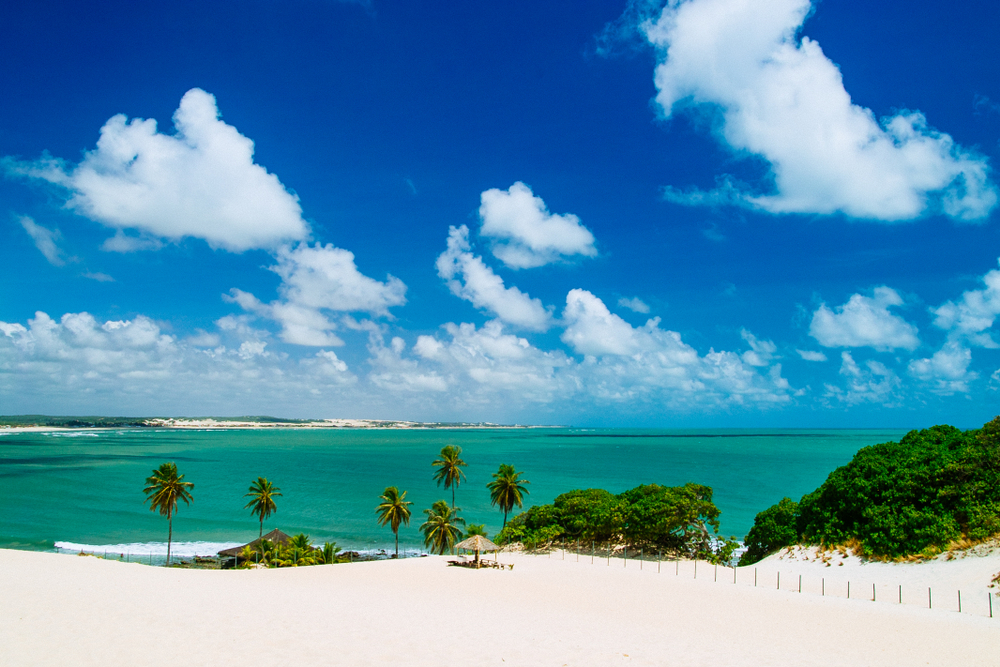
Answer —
236 424
545 611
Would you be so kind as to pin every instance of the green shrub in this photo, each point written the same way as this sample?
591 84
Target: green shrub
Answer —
681 519
897 499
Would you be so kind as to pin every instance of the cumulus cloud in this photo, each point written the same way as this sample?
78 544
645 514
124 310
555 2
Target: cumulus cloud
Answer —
947 371
199 182
875 383
772 94
864 322
761 352
592 329
526 235
973 314
469 278
45 240
634 304
80 364
810 355
315 279
625 363
98 276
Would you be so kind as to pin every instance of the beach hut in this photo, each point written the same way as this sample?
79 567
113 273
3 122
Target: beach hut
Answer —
276 536
477 543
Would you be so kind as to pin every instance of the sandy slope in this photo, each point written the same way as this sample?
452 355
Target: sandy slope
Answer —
61 609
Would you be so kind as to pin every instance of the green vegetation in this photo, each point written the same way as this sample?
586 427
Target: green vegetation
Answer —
507 489
681 520
163 489
449 469
441 531
394 510
262 494
476 529
296 552
915 497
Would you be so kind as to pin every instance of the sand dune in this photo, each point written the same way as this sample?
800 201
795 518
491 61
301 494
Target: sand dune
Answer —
61 609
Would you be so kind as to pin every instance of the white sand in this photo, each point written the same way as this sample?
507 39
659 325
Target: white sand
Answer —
61 609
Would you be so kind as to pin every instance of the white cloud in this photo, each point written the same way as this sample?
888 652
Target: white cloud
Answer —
316 279
469 278
634 304
486 362
98 276
623 363
947 371
592 329
82 365
777 96
45 240
761 352
809 355
973 314
876 383
864 322
200 182
78 364
526 234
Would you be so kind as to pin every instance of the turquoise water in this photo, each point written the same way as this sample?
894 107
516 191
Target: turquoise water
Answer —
83 489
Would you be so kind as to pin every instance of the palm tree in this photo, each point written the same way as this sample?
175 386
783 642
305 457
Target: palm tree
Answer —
394 510
441 531
507 489
163 489
330 553
476 529
262 494
450 469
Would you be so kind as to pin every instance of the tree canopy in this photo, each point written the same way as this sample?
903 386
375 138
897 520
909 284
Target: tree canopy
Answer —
896 499
674 519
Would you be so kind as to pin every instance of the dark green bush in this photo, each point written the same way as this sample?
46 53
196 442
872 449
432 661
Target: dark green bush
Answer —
897 499
681 520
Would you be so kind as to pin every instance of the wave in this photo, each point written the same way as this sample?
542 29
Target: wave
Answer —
179 549
193 549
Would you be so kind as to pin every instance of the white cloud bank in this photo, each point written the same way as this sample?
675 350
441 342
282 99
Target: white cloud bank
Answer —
526 235
864 322
84 365
131 366
780 97
316 279
469 278
200 182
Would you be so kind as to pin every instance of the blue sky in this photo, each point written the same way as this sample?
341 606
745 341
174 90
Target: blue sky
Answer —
704 213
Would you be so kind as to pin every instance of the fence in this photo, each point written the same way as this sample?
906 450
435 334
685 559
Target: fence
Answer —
980 603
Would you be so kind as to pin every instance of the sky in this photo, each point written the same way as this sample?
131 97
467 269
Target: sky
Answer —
697 213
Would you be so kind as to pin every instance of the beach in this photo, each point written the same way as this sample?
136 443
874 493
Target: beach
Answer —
548 610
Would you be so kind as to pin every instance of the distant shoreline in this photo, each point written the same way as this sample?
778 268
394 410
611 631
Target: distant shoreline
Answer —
239 424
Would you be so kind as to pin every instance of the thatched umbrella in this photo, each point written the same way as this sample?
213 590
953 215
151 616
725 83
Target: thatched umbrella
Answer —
477 543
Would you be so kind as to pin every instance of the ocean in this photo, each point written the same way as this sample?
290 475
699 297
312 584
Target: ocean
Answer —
82 490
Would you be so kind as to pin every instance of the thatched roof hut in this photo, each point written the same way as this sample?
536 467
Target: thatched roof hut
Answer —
275 536
477 543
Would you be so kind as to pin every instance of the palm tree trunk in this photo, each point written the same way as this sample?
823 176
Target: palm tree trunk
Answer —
170 535
397 544
453 496
504 519
261 536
